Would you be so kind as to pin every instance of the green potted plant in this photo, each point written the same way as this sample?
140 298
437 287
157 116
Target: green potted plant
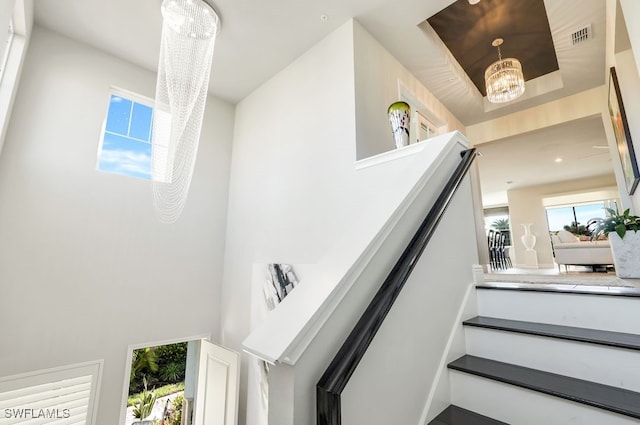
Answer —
144 407
623 231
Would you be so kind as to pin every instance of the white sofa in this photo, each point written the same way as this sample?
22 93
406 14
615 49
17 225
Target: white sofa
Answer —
570 250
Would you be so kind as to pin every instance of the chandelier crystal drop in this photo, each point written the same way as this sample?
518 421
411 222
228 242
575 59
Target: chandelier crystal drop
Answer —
189 31
503 79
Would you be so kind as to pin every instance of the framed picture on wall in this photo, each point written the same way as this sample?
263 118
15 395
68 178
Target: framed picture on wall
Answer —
623 135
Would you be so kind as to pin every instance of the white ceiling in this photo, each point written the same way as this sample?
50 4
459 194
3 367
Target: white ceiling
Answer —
517 162
260 38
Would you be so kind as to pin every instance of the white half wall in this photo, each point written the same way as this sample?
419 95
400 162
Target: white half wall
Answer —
417 328
405 360
85 268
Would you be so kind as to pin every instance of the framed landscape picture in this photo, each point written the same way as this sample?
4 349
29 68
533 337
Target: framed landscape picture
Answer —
623 135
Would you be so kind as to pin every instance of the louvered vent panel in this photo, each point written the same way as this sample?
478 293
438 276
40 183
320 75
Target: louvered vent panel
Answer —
581 35
61 397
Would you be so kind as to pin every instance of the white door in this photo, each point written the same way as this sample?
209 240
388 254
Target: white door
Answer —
217 386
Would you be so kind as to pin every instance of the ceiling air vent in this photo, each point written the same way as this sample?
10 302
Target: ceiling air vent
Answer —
581 35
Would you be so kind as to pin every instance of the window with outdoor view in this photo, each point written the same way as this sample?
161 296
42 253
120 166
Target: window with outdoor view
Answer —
574 218
497 218
125 147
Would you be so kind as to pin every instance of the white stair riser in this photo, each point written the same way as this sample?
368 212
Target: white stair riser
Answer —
614 313
592 362
519 406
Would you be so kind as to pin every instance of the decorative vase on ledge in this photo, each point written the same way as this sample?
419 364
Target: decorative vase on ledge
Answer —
528 240
399 116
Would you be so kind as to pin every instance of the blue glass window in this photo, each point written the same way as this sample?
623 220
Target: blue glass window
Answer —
126 142
141 122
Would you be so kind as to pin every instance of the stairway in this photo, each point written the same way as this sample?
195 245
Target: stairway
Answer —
548 354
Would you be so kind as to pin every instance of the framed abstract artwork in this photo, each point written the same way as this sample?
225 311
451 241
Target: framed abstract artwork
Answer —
622 134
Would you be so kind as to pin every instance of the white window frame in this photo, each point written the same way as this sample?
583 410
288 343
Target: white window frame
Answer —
424 128
12 66
421 116
7 49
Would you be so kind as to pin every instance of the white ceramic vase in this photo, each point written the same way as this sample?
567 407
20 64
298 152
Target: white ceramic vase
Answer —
626 254
528 240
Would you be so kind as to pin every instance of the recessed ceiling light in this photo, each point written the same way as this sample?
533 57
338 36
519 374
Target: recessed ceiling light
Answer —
474 1
558 160
324 18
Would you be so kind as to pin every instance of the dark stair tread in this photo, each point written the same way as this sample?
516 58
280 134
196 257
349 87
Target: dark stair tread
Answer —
569 289
606 397
593 336
454 415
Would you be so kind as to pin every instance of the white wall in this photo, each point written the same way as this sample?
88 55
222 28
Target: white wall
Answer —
378 74
400 368
356 263
627 73
526 206
294 186
85 268
629 80
430 299
631 10
292 173
580 105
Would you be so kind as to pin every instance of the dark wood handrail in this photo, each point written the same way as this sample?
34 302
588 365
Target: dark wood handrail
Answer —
337 375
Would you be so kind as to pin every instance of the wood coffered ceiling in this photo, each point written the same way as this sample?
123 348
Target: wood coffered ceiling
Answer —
468 30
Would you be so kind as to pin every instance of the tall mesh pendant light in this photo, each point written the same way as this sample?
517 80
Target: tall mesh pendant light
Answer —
188 36
503 79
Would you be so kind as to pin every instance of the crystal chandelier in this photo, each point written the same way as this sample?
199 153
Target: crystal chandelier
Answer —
503 79
189 31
